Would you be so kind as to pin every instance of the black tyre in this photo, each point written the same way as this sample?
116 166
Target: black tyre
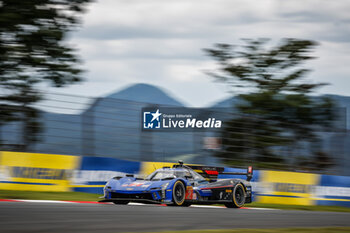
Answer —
121 202
179 193
238 197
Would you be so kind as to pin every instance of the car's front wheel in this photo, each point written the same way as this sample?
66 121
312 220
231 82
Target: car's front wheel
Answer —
121 202
179 193
238 197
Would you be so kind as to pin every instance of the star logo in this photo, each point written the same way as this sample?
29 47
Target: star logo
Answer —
151 119
156 115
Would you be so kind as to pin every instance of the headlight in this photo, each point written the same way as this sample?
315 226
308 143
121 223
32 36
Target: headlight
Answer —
165 185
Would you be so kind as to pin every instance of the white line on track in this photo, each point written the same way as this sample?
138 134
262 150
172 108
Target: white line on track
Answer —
207 206
134 203
44 201
193 206
254 208
131 203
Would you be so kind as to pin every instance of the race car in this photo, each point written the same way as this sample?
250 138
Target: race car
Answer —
181 185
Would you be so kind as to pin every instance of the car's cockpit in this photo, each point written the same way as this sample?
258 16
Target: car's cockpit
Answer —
173 173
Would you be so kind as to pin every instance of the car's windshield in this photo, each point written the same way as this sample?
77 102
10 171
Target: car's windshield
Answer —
162 174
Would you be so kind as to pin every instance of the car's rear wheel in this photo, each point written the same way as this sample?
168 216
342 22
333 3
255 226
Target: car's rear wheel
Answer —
121 202
238 197
179 193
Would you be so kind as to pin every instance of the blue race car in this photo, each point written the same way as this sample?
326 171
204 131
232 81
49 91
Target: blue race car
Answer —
180 186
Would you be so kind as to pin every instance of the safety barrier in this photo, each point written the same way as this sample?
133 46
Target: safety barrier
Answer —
37 172
333 190
49 172
290 188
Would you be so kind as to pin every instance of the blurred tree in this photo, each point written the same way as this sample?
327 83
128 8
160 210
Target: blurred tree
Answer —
33 52
276 108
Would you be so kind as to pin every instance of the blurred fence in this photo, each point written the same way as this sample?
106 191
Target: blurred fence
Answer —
77 125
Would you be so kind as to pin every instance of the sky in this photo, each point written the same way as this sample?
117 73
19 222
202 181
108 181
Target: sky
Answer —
160 42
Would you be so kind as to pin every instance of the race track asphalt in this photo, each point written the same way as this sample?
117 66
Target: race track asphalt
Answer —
51 218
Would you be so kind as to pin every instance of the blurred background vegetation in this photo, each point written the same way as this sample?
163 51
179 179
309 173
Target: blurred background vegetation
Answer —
33 52
275 104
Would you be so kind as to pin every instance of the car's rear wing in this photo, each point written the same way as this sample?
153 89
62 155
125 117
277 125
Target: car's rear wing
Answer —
249 173
212 173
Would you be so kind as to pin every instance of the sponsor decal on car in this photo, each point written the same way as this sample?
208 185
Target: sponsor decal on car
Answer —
189 193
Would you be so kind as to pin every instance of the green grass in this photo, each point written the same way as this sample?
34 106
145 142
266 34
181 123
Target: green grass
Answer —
278 230
77 196
64 196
